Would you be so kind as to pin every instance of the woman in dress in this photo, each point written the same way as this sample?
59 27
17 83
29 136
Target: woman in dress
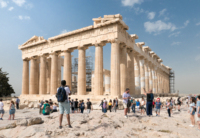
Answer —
12 110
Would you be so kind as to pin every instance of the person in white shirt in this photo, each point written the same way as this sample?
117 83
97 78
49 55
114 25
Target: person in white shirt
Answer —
1 109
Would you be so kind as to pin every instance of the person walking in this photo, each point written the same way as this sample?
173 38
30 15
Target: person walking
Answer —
82 106
101 104
105 106
192 110
158 107
198 111
133 105
116 102
17 103
1 109
62 95
168 107
110 105
142 106
149 104
137 105
89 106
12 110
126 97
114 105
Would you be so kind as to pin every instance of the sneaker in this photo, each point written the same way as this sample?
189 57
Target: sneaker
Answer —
70 126
60 127
1 119
125 116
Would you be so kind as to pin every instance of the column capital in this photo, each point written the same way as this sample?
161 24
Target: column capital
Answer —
123 45
68 50
26 59
34 57
55 53
82 47
101 44
115 41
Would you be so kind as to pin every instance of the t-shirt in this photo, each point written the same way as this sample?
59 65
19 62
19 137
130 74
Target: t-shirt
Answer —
191 107
45 105
1 105
150 97
137 103
67 92
76 104
54 107
198 105
134 102
89 105
110 103
125 95
131 100
158 104
116 102
17 100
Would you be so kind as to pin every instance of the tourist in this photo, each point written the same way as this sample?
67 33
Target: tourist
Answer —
76 106
105 106
126 97
138 105
168 107
101 104
192 110
82 106
11 110
1 109
114 105
40 106
133 105
179 103
89 106
149 103
116 100
172 105
50 102
110 105
17 103
64 104
72 105
54 108
158 107
187 102
46 108
79 106
142 106
198 111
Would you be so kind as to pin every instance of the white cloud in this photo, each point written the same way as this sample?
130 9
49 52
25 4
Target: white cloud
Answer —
11 8
24 17
162 12
3 3
175 34
185 24
166 18
131 2
138 10
151 15
64 31
176 43
158 26
198 23
197 57
19 2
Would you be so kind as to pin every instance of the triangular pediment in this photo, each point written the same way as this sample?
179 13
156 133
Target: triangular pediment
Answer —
32 40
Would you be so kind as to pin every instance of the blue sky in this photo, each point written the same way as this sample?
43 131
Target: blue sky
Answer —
170 27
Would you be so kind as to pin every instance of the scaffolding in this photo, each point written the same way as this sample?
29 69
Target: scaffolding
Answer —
89 69
172 81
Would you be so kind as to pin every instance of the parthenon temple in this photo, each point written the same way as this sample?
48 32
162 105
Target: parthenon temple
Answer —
133 65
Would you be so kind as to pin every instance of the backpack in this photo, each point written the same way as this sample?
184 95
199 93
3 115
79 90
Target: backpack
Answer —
47 109
129 103
61 95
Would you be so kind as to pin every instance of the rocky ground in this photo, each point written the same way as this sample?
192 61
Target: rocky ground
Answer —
29 123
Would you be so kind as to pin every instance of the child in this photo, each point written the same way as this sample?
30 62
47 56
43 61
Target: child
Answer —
158 107
168 107
192 111
12 110
137 105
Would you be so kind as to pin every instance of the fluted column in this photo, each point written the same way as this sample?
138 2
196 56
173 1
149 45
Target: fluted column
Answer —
123 67
37 72
150 77
98 69
54 73
156 81
130 70
49 76
92 82
115 68
25 77
67 71
33 77
154 78
107 81
146 68
137 74
142 74
81 71
43 82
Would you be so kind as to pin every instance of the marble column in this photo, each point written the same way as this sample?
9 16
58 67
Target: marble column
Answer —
37 72
92 82
33 77
49 76
130 70
59 71
123 68
146 68
67 71
98 69
25 77
107 81
142 74
115 68
150 77
43 82
156 81
137 74
54 73
153 78
81 71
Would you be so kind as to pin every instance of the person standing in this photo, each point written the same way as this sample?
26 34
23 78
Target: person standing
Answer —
89 106
133 105
17 103
126 97
179 103
192 110
82 106
76 106
105 106
137 105
168 107
114 105
198 111
1 109
149 103
101 104
72 105
110 105
62 95
158 107
142 106
116 102
12 110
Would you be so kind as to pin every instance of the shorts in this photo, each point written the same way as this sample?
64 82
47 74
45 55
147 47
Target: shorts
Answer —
2 111
137 107
142 107
193 112
157 110
64 106
125 105
12 111
76 109
88 111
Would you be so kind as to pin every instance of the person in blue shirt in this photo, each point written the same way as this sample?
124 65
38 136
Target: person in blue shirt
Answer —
138 105
192 110
158 107
198 111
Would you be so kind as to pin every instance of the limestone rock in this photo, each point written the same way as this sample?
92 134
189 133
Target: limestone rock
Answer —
22 122
30 105
34 121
